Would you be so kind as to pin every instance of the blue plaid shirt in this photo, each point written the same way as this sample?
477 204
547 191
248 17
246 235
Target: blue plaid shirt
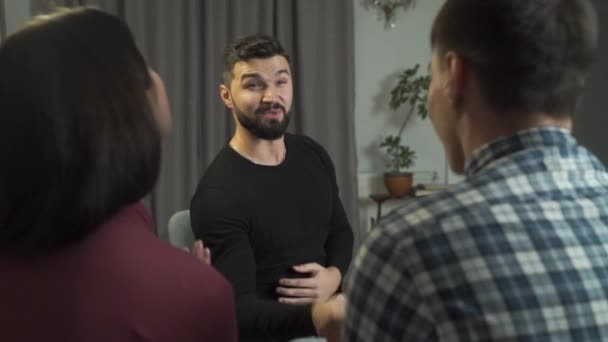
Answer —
516 252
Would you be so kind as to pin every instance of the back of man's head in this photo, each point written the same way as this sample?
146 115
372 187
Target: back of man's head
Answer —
529 55
246 48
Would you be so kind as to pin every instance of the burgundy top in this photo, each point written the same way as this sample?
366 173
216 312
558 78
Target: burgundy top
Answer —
120 284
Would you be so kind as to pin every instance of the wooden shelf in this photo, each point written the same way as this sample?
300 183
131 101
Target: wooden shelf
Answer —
380 198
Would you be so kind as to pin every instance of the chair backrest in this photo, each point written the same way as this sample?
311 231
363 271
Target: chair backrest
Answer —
180 230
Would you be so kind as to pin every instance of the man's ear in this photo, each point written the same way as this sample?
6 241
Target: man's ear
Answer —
457 77
226 96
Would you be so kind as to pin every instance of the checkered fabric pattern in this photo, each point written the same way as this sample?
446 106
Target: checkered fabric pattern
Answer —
516 252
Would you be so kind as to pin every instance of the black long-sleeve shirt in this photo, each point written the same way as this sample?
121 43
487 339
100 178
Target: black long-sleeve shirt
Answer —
259 221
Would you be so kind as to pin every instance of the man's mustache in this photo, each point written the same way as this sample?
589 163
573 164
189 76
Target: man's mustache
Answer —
267 107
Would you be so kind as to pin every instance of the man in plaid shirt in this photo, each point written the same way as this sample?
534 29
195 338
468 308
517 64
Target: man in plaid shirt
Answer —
519 250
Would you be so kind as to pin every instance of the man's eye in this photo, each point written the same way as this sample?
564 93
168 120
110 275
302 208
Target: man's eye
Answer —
253 86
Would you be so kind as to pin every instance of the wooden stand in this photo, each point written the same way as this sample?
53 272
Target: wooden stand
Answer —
379 199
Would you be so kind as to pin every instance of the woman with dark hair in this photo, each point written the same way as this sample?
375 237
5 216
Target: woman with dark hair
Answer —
81 122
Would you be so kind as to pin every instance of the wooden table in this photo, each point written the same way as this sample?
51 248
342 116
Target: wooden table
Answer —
379 199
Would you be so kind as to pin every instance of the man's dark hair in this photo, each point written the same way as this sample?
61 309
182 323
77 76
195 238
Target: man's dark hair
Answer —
246 48
78 137
530 55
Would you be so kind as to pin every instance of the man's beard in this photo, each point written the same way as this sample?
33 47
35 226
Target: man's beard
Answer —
264 129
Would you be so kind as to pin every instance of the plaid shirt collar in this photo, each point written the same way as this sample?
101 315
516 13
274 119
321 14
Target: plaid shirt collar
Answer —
504 146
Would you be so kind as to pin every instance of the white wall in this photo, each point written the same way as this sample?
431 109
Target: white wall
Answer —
591 121
17 13
380 55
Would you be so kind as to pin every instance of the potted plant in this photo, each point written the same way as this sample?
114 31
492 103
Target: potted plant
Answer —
411 90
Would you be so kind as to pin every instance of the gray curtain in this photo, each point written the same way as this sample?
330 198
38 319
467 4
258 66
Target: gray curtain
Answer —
2 21
184 41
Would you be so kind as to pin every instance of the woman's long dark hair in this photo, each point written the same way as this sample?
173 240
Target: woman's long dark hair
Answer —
78 139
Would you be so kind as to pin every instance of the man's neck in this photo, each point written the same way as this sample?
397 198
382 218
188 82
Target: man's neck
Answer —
478 130
258 151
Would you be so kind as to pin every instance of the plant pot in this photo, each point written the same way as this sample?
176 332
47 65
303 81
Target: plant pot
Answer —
398 184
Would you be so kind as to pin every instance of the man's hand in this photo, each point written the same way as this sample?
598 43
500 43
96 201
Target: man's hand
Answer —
199 251
328 317
318 287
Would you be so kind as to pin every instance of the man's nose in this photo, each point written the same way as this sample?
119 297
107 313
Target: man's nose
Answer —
269 95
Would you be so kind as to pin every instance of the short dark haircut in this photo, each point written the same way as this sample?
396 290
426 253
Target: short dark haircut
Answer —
531 55
78 137
246 48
